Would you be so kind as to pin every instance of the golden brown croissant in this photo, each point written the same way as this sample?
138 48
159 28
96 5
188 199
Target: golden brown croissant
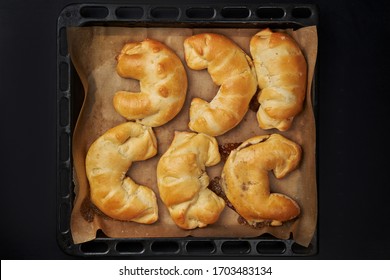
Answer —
107 162
232 70
281 72
245 178
182 180
163 83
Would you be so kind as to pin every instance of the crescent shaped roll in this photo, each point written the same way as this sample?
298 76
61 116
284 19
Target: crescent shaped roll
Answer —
245 178
182 180
281 72
163 83
231 69
108 159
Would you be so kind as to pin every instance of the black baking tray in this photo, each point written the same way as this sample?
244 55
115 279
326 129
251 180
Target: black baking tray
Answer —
70 96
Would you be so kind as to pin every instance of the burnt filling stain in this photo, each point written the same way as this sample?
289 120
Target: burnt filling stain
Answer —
254 105
215 186
258 225
226 149
86 210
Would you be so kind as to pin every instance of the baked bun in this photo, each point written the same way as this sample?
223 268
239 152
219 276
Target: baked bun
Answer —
281 72
245 179
232 70
108 159
182 180
163 83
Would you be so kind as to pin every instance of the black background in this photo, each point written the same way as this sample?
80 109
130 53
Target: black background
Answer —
353 123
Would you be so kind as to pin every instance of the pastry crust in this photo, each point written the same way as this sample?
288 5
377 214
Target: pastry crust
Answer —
163 83
182 180
281 72
232 70
108 159
245 178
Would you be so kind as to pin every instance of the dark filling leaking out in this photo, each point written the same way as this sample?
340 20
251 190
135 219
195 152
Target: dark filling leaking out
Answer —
216 187
226 149
254 105
86 210
265 223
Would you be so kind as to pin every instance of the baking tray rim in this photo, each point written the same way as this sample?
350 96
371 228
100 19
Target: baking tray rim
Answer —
71 16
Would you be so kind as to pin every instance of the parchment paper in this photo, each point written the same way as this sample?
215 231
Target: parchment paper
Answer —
93 51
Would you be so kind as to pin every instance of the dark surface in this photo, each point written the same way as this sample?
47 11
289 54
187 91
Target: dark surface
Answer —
352 122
